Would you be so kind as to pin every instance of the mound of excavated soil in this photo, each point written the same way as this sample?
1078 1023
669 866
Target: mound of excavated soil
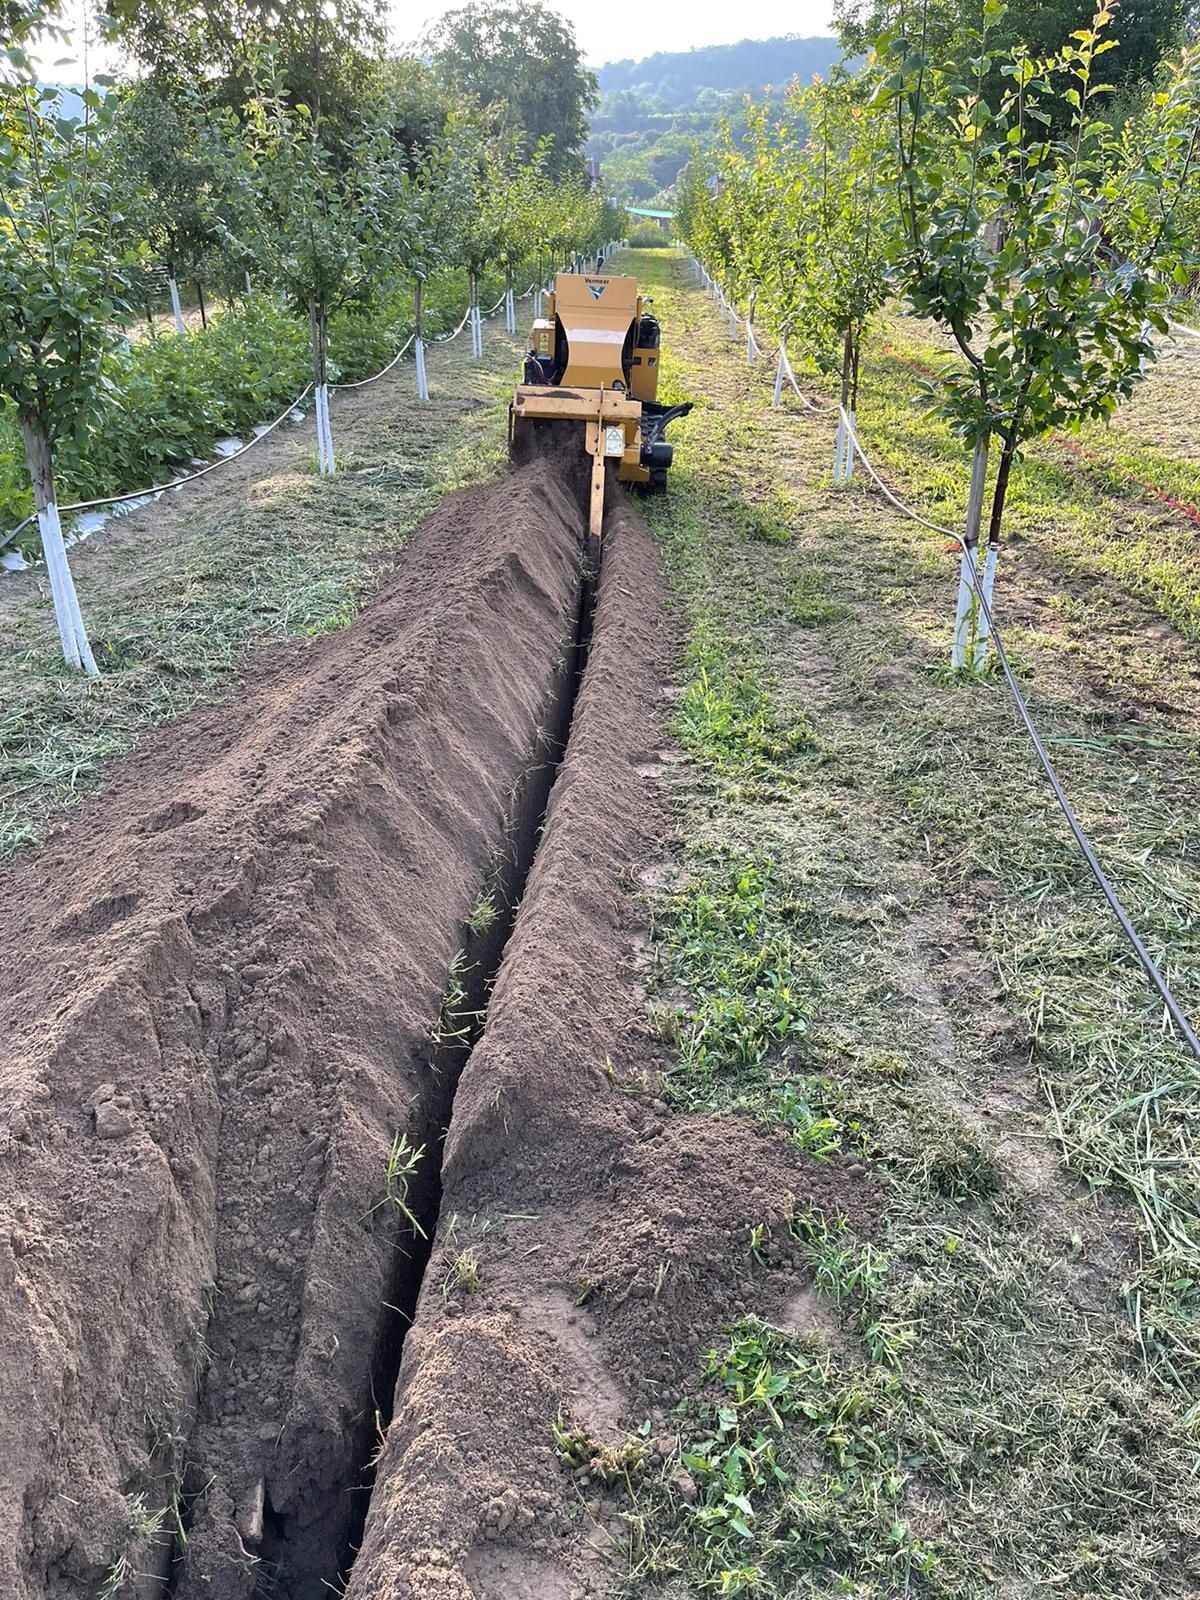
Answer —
610 1240
223 978
244 983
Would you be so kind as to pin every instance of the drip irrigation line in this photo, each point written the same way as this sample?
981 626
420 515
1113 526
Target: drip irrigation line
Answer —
175 483
447 338
361 383
791 378
1157 981
221 461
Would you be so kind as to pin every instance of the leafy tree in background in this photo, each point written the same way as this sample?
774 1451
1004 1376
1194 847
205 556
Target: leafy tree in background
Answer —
1148 29
327 54
159 152
521 63
311 217
426 199
839 209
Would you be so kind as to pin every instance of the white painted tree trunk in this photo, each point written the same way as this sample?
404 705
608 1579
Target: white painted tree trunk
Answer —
780 375
176 307
984 632
510 311
325 461
475 321
848 448
76 649
419 340
965 616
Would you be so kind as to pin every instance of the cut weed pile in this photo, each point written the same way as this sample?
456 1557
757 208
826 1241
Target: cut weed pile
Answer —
881 940
178 592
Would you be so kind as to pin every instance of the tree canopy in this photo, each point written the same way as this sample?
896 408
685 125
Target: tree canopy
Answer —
521 63
1148 29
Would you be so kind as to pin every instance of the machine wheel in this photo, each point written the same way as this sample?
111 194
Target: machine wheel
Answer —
658 481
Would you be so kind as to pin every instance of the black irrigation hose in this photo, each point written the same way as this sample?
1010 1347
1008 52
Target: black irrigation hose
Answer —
1149 966
1157 982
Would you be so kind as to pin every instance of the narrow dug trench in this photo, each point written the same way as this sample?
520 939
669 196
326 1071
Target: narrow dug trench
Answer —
226 973
590 1242
296 1557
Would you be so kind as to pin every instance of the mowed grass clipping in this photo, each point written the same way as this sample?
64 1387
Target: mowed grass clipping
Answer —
176 594
881 941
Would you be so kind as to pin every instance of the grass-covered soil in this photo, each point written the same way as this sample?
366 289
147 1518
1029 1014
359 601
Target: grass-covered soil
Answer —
879 937
176 593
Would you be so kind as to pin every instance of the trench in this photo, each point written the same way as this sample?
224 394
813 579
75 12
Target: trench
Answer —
293 1565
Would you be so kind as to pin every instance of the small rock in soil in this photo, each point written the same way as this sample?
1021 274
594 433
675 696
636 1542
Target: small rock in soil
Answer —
112 1122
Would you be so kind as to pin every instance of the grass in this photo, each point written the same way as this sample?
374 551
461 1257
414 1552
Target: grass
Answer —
177 594
1078 496
144 1527
880 940
484 914
403 1164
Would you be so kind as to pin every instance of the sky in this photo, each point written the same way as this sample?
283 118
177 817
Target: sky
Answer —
623 30
607 30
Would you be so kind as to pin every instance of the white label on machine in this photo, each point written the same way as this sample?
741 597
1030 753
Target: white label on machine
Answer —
614 441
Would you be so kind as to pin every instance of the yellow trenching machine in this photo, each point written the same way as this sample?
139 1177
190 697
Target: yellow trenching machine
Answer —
593 358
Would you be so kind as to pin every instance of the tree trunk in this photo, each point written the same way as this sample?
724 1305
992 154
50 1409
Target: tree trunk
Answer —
77 652
318 330
173 288
988 579
966 618
203 311
474 319
843 450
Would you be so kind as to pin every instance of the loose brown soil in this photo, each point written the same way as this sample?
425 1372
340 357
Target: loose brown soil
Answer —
223 979
243 971
611 1237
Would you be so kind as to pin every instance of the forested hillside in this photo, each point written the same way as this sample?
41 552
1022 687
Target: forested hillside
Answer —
652 111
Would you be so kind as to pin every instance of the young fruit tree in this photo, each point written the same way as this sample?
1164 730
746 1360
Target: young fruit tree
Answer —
62 257
310 215
839 209
159 147
1046 244
426 201
484 224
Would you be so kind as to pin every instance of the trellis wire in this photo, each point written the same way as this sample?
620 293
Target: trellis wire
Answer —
191 477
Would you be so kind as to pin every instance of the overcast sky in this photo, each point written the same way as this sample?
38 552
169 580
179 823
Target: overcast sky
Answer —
608 30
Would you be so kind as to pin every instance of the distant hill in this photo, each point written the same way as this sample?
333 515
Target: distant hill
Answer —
678 76
653 112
